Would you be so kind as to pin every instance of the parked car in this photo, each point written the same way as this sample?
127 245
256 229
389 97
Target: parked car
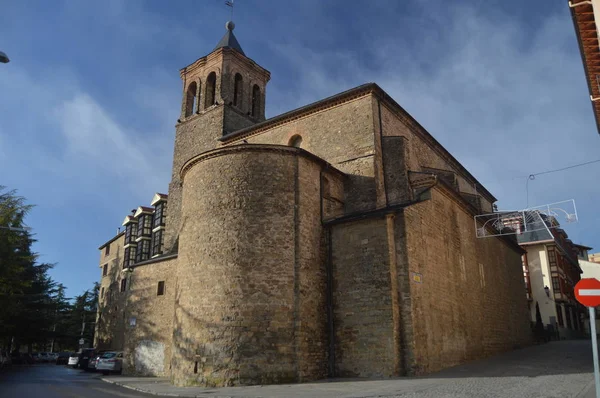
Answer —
110 362
94 360
85 356
43 357
35 356
74 360
62 358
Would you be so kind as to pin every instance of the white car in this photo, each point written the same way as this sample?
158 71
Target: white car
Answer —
73 360
111 361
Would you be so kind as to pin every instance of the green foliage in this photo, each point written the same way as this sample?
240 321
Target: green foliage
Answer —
34 310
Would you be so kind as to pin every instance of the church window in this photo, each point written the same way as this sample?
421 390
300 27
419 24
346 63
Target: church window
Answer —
255 100
295 141
237 90
211 83
191 99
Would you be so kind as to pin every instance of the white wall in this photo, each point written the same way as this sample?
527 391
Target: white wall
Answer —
590 270
539 275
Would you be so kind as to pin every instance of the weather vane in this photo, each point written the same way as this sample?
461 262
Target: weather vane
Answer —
229 3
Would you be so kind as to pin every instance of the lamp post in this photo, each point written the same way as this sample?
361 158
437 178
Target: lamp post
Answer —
4 58
16 229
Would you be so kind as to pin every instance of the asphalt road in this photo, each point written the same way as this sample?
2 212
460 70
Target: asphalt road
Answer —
57 381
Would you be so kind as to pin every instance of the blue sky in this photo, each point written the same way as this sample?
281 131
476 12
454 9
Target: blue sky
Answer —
89 101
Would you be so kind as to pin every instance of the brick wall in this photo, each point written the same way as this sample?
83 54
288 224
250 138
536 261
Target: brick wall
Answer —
471 302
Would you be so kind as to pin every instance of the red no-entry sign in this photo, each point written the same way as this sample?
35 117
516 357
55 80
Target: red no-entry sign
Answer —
587 292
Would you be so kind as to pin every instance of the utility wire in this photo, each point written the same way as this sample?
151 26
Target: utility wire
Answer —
531 177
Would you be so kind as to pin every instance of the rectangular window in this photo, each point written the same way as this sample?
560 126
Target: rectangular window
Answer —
559 315
143 251
144 225
158 215
107 250
556 284
551 256
157 242
161 288
123 285
105 270
130 233
126 262
102 293
148 225
129 256
140 225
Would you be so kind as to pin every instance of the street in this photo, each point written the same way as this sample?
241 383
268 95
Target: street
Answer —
52 381
558 370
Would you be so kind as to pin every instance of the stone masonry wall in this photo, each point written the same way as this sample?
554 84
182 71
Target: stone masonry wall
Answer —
199 134
471 302
111 302
250 298
364 345
421 154
201 131
149 319
341 135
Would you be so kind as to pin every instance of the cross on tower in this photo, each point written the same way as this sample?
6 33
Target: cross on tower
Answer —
229 3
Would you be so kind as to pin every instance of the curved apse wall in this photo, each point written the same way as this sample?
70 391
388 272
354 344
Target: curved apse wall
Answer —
250 301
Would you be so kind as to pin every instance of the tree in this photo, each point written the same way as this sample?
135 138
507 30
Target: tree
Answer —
27 306
34 310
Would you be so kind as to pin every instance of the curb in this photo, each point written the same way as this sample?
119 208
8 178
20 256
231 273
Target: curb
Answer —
138 389
161 394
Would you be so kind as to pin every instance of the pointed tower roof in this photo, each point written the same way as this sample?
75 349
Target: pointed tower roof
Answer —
229 40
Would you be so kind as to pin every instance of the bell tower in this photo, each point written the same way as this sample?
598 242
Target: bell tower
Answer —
223 92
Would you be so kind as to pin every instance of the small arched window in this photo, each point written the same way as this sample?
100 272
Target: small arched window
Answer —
211 82
255 100
295 141
237 90
191 99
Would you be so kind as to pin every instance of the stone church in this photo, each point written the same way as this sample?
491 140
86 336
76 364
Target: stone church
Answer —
333 240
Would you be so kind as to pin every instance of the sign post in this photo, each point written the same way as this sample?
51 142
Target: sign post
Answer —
587 292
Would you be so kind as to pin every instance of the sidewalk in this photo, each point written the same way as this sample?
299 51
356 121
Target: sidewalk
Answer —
558 369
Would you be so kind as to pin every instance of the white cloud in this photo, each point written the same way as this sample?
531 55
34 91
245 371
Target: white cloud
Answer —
506 99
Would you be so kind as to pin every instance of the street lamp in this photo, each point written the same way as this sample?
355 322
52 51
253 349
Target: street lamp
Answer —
16 229
4 58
